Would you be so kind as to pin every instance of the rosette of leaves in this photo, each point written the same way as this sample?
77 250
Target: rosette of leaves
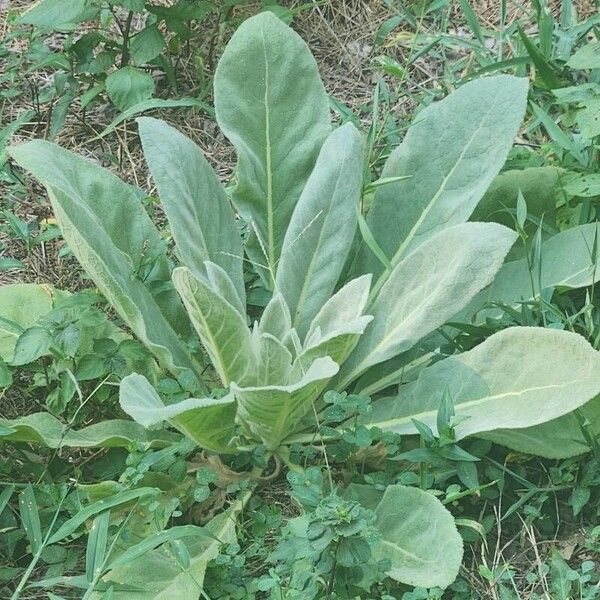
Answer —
340 307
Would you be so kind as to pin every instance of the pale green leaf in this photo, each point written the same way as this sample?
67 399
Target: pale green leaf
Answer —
207 421
586 57
452 152
128 264
272 412
158 575
426 288
539 186
221 283
337 327
274 360
271 104
419 537
195 202
345 306
46 429
519 377
567 261
558 438
276 318
222 329
322 227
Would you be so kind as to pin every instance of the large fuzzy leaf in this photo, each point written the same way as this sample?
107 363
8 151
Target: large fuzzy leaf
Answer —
419 536
44 428
426 288
274 360
271 104
337 327
322 228
401 368
558 438
540 187
221 327
450 154
195 202
114 239
272 412
207 421
159 575
519 377
567 261
276 319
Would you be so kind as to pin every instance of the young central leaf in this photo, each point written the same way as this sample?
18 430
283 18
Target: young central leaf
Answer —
322 228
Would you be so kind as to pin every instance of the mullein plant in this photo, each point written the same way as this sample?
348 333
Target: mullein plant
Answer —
342 311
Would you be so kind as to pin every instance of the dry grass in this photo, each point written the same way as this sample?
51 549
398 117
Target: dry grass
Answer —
340 34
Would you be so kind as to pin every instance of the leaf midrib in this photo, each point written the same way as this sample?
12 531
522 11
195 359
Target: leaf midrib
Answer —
268 163
476 402
316 253
409 238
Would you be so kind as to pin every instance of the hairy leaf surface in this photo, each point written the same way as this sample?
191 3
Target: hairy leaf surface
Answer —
222 329
517 378
419 535
567 261
557 438
272 412
450 154
322 227
46 429
158 575
127 263
276 121
425 289
207 421
195 202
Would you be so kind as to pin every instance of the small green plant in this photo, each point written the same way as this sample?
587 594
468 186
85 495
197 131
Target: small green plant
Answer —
350 297
114 56
61 347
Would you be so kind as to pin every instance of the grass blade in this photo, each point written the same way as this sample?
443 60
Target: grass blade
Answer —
472 21
543 67
5 497
96 545
95 508
157 539
30 518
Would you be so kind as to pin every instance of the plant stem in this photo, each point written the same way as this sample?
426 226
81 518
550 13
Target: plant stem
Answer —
126 32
